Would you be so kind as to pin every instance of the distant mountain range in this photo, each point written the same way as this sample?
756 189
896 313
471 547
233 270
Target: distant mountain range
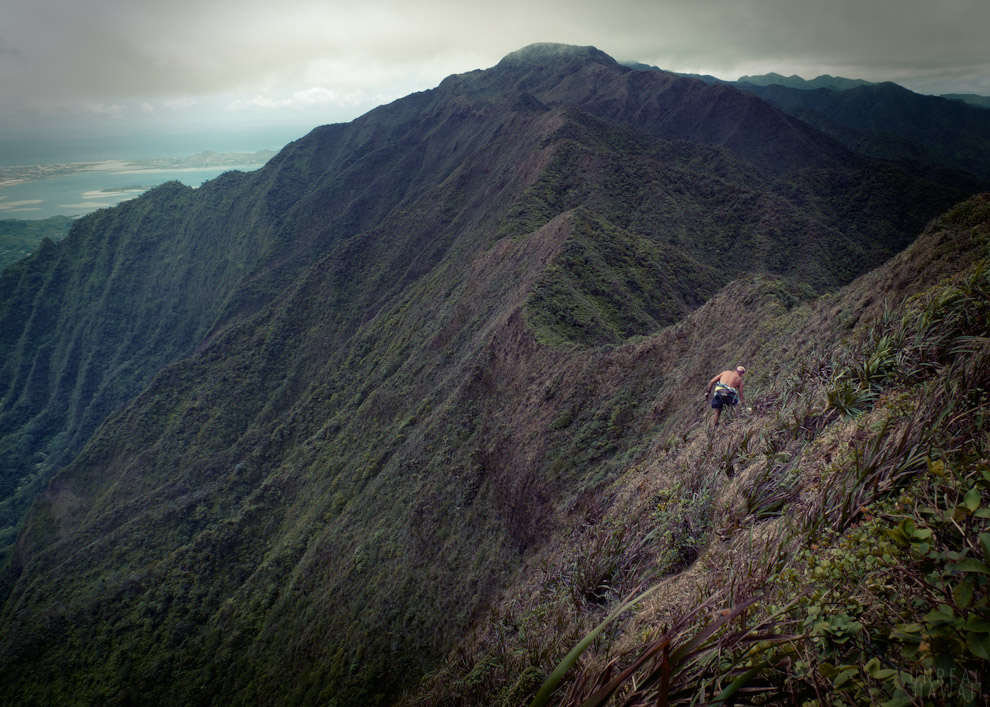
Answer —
837 83
970 98
293 436
890 122
883 120
794 81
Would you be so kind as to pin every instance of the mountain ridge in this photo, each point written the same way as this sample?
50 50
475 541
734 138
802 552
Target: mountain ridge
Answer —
722 524
902 124
795 81
973 99
883 120
410 369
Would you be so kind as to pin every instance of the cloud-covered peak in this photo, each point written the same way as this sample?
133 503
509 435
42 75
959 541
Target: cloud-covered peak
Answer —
549 51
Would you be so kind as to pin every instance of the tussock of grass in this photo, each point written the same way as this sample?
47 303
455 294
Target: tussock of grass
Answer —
874 622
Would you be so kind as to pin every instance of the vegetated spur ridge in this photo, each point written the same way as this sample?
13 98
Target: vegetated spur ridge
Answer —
301 425
831 538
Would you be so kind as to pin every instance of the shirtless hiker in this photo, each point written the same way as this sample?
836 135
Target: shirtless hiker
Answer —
728 390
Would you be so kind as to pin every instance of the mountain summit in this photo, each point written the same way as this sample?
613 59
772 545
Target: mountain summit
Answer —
289 437
548 52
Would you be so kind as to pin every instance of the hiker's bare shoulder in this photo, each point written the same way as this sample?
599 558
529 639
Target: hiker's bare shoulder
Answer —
732 379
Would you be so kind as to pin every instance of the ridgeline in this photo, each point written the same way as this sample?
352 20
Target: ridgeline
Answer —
401 416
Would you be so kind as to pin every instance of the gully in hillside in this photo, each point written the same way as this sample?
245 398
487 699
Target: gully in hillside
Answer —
728 390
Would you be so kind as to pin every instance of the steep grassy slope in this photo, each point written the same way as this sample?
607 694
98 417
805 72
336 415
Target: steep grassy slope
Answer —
831 539
349 396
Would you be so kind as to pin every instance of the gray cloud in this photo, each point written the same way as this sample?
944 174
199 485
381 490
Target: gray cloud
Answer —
117 58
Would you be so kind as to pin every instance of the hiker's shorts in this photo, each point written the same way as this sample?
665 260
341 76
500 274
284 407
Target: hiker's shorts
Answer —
723 397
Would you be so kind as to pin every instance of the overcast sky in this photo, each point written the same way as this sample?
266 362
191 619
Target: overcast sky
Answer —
137 66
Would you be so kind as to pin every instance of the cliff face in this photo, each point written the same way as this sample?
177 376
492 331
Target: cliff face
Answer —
298 429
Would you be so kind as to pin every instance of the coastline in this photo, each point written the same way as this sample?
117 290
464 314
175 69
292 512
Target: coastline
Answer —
76 188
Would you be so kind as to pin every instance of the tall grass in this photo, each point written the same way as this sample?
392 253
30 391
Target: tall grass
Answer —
903 518
872 582
710 655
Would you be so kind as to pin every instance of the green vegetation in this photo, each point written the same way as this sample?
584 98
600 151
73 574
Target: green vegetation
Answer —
607 286
895 589
18 239
870 584
890 122
406 414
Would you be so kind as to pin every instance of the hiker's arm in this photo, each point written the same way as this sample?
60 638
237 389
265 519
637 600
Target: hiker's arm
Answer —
741 384
713 381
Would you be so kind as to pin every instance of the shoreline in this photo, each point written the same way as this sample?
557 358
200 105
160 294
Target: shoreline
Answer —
19 174
74 189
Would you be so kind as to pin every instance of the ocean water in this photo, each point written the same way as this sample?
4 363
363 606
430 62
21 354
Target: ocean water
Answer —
82 192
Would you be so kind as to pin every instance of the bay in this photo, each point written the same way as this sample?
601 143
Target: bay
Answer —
87 190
